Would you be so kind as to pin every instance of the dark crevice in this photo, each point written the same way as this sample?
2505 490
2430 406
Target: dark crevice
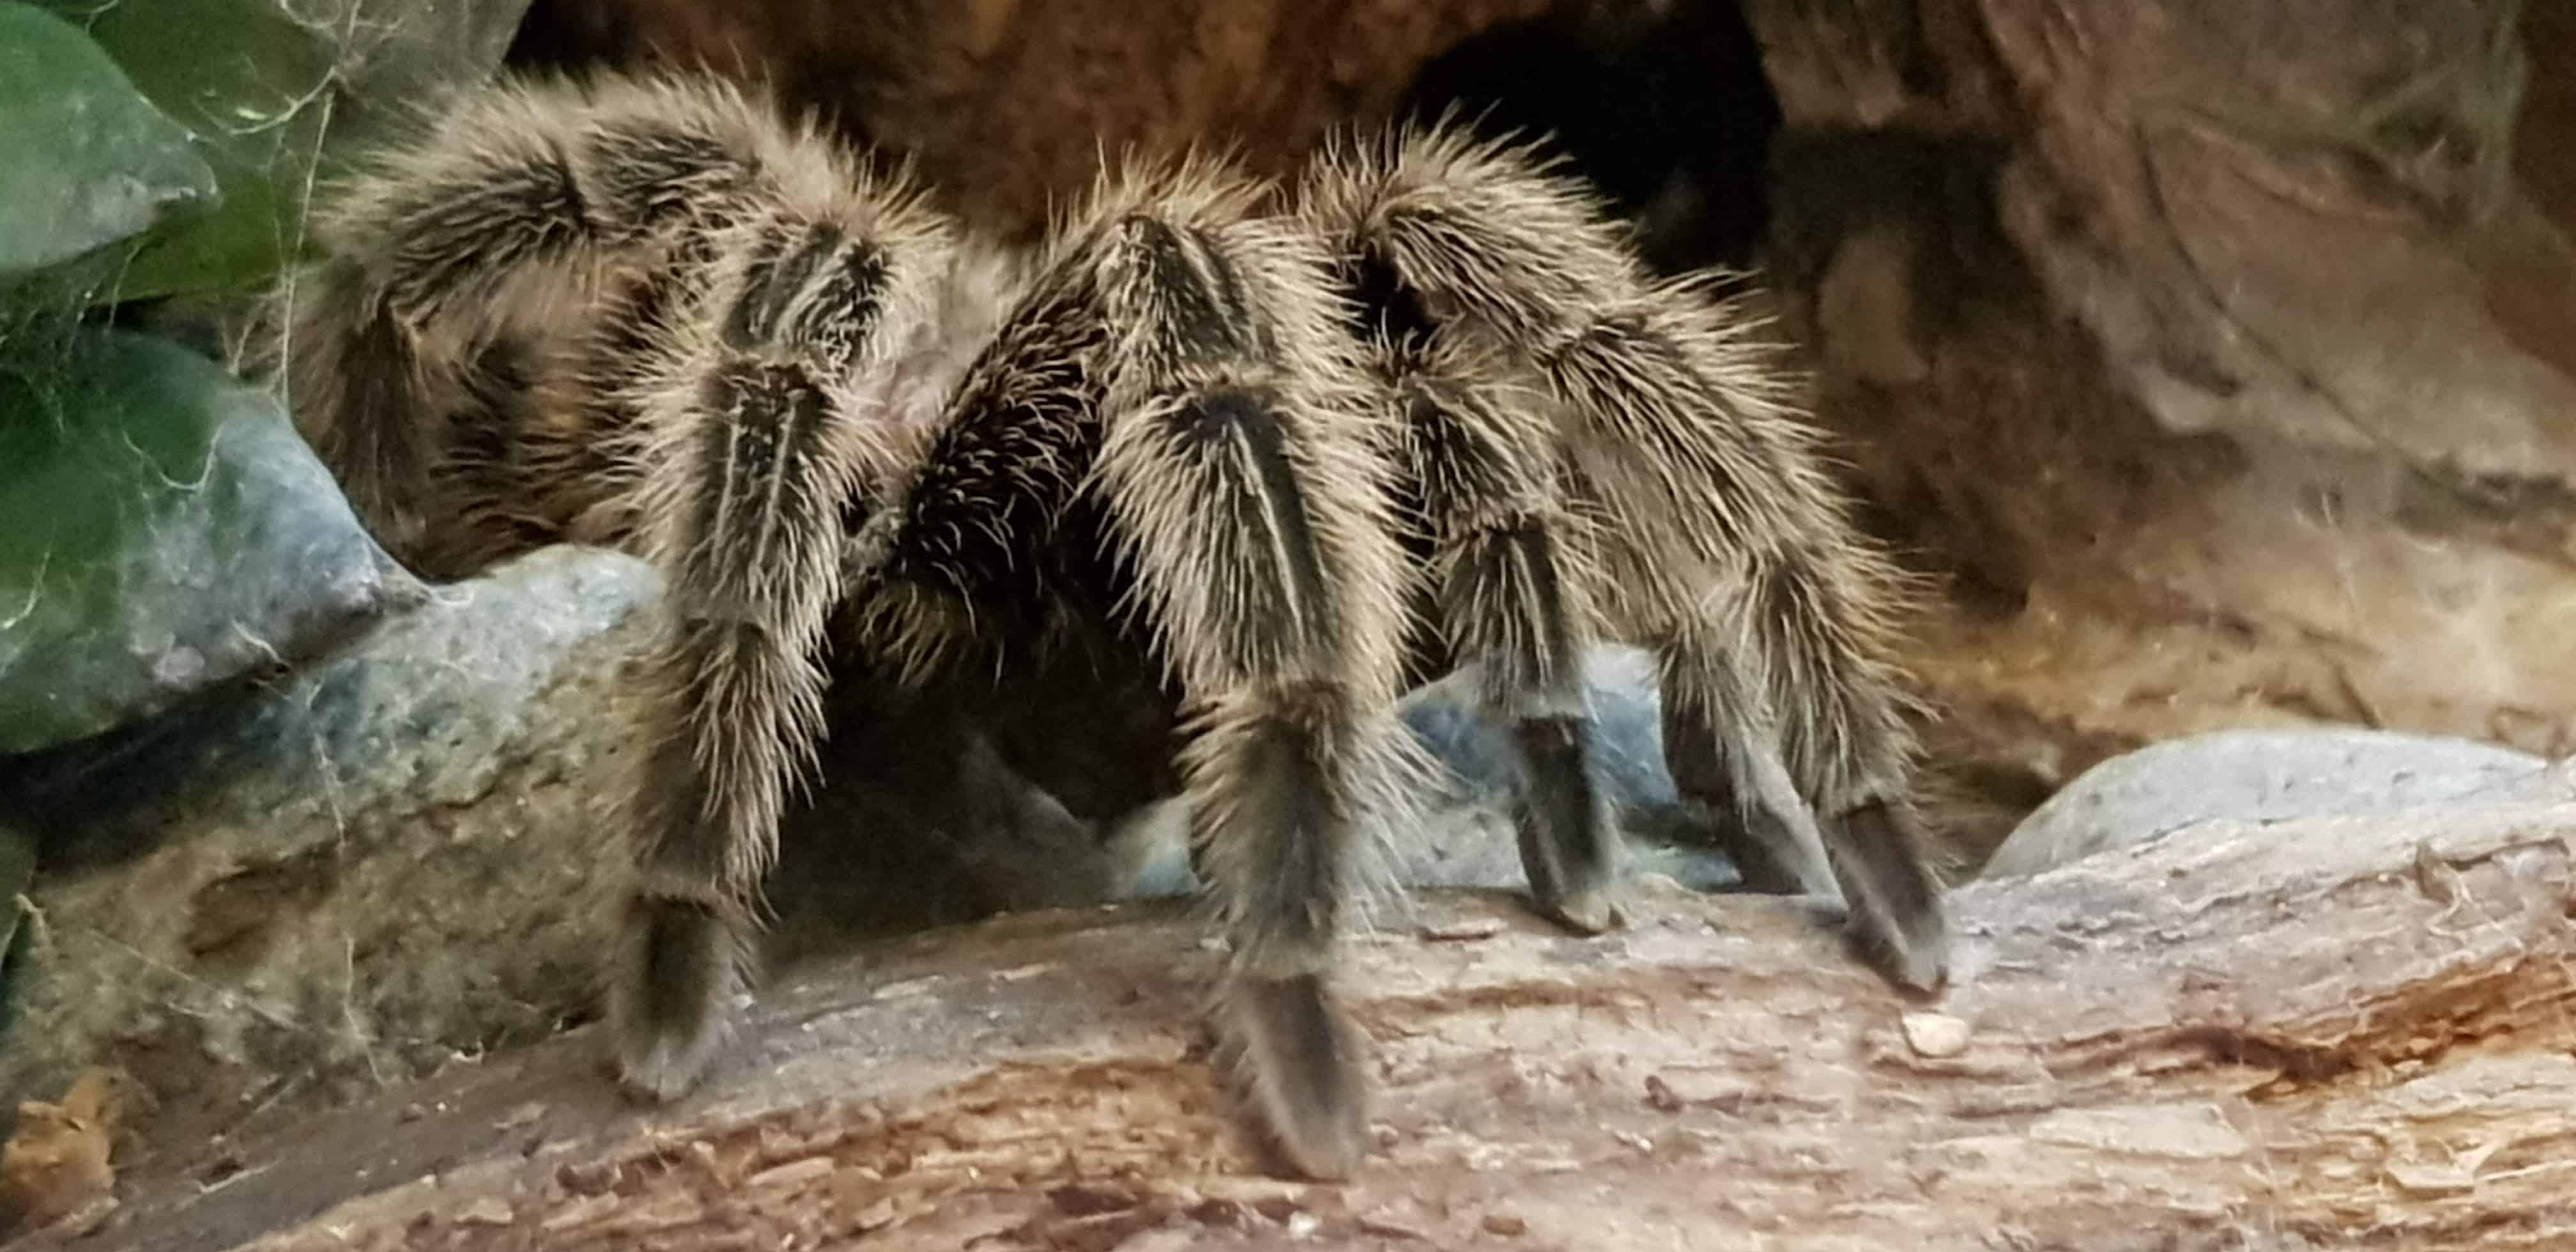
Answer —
1669 113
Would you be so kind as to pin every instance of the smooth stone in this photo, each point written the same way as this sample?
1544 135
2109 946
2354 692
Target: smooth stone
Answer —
163 532
2262 776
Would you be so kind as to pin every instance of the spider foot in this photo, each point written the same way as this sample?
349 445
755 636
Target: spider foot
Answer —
1896 910
1593 912
1578 891
668 1011
1569 845
1302 1062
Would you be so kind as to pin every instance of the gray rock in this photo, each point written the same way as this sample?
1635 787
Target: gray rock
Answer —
405 854
1470 841
1467 839
2264 776
163 530
1626 702
379 862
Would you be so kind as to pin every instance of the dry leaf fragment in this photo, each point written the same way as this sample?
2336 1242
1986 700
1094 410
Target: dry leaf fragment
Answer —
56 1164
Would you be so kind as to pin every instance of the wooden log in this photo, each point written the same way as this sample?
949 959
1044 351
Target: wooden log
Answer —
2339 1032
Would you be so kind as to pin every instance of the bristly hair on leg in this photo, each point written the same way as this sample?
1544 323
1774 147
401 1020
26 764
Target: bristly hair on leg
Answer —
767 419
1244 492
1728 547
1511 572
507 213
1196 429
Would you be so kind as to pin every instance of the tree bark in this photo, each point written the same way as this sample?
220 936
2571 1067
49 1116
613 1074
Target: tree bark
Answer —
2345 1032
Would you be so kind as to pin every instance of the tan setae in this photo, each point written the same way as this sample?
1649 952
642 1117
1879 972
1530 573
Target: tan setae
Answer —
1286 449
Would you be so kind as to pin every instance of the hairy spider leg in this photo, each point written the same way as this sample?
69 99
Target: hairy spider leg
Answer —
766 422
652 314
1512 590
1722 542
523 237
1176 397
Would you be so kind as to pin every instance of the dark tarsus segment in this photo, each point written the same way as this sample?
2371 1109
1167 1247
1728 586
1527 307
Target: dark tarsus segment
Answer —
1880 859
753 496
1132 442
1568 839
1489 519
651 300
1766 850
1719 539
1256 582
1298 1043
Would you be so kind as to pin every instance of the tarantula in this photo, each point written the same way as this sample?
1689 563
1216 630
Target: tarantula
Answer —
1284 447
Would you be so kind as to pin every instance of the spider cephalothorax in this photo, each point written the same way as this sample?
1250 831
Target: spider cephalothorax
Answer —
1281 449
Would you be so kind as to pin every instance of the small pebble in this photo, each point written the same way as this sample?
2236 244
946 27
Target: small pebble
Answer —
1936 1034
1505 1224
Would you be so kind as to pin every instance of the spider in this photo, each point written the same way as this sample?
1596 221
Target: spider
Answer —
1270 449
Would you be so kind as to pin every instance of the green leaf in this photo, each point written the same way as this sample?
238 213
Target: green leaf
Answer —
279 93
255 87
162 530
85 161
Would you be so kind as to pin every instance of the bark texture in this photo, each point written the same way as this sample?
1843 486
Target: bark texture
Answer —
2343 1032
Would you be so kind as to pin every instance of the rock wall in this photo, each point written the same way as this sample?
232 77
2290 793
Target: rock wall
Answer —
2214 350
